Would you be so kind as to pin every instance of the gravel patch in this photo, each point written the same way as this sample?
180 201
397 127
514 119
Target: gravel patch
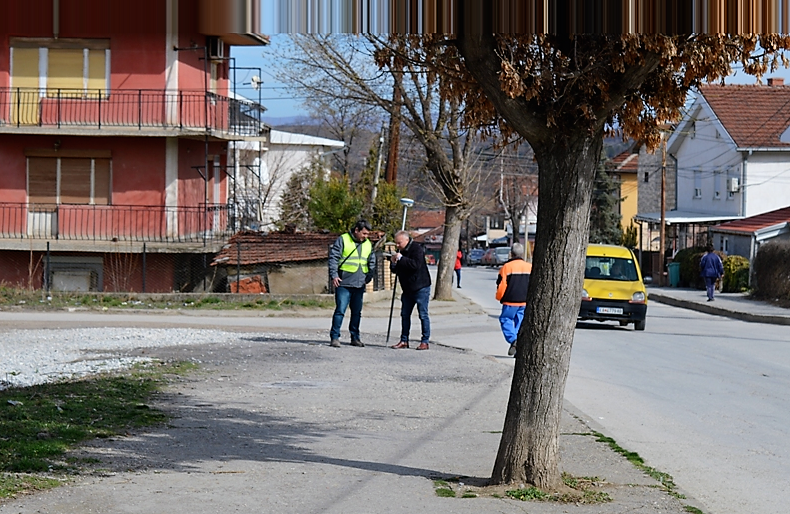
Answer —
29 357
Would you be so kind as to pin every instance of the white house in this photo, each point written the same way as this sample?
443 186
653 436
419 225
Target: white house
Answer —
264 171
733 150
732 155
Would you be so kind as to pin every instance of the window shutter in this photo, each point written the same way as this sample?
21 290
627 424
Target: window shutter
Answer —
75 181
101 181
42 181
66 71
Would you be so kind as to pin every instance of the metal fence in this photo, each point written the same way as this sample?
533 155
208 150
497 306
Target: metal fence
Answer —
136 268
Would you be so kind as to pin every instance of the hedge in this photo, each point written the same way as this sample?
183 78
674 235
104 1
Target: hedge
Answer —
771 278
736 274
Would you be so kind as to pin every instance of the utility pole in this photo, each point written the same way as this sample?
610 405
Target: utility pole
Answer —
378 169
391 174
662 228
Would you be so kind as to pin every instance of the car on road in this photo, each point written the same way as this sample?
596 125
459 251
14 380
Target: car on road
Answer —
502 255
475 257
613 287
488 258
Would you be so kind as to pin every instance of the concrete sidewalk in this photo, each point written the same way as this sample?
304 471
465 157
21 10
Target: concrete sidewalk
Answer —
732 305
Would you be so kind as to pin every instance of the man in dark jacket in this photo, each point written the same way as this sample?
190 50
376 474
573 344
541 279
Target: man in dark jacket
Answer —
352 265
412 271
711 269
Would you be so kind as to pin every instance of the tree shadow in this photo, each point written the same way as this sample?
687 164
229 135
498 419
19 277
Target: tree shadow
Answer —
203 434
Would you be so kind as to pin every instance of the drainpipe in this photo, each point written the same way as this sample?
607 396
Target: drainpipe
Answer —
743 182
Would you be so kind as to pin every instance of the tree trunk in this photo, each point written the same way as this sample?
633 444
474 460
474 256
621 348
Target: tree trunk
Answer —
529 448
450 244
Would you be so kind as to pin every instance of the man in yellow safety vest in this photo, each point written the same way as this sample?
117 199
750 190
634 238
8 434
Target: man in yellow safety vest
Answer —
352 265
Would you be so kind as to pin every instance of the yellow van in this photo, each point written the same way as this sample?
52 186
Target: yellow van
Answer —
613 287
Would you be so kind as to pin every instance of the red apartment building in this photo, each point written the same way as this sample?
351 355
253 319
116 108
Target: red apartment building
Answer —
115 121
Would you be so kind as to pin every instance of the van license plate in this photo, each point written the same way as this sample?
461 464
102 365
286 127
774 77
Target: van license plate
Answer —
609 310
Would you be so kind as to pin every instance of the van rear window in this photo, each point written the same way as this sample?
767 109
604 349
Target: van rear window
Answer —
610 268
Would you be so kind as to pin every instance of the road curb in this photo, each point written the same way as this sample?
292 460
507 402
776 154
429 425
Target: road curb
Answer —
719 311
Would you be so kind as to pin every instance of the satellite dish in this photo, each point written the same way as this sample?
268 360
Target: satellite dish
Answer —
256 82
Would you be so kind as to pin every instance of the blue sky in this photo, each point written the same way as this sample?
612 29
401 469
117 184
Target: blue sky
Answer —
275 96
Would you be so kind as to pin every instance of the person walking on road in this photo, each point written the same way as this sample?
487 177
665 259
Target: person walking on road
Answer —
352 265
512 284
711 269
411 269
458 257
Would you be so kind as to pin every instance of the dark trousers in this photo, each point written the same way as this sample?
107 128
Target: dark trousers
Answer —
710 286
346 297
407 302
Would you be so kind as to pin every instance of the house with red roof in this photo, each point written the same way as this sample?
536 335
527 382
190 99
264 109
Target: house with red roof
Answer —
744 236
733 150
731 154
286 262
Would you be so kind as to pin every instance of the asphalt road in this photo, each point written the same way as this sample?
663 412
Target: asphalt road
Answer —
703 398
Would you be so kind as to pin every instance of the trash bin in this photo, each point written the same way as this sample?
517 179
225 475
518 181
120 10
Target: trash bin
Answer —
674 274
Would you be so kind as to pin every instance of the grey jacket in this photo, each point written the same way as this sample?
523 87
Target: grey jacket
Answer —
356 279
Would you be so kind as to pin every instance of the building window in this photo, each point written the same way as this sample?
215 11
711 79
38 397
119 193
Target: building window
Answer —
496 222
697 184
647 176
717 185
61 67
69 180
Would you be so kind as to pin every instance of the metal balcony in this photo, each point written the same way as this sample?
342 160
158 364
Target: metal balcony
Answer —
115 223
28 109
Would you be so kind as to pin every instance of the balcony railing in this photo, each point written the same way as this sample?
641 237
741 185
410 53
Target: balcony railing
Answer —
115 223
134 109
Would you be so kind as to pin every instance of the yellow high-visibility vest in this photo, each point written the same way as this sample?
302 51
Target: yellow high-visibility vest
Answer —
353 260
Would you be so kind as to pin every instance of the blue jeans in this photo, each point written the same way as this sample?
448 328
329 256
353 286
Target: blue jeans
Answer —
347 297
458 276
510 319
407 302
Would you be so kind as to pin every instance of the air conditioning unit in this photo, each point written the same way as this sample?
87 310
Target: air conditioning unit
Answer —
216 48
733 184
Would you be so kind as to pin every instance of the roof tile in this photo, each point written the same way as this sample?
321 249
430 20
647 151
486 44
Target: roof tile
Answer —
754 116
753 223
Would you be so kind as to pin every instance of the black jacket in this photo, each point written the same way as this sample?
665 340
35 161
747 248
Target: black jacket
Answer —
411 269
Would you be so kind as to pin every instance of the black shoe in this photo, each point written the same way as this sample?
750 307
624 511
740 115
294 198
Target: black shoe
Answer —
710 299
357 342
512 350
459 287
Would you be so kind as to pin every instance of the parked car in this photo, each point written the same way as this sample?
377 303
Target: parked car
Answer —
489 257
613 287
502 255
475 257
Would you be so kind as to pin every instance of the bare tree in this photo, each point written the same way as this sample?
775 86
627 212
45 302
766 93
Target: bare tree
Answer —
259 180
344 120
365 70
518 190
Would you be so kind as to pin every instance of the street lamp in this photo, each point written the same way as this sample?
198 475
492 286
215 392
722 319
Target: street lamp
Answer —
406 203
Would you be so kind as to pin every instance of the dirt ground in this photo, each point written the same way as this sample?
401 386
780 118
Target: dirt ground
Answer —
282 423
